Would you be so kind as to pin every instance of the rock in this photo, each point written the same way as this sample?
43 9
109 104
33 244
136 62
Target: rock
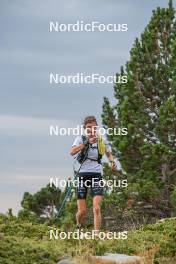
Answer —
121 259
66 261
114 258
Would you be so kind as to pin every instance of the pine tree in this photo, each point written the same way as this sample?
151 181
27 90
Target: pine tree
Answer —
42 203
146 105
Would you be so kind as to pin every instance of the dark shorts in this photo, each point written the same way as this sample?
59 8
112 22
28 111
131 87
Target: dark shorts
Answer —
89 180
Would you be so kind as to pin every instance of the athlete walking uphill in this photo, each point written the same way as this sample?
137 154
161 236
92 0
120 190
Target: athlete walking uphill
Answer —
90 171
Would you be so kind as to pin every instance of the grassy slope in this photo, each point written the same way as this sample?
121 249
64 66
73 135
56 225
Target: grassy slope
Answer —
23 242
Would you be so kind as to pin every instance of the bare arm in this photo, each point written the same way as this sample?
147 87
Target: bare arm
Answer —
109 156
111 160
75 149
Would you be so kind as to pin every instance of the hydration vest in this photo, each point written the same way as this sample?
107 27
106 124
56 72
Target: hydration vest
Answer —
101 151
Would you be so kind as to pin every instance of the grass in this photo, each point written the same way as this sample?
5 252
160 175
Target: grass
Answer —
25 242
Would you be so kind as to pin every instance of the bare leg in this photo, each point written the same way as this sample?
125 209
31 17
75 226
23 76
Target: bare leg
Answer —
81 204
97 213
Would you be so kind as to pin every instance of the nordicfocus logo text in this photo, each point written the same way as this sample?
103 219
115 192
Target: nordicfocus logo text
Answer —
81 78
80 130
58 234
80 182
81 26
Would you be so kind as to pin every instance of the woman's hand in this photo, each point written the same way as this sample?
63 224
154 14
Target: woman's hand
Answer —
113 165
112 162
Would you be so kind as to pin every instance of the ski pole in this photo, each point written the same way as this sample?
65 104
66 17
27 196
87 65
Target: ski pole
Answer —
70 187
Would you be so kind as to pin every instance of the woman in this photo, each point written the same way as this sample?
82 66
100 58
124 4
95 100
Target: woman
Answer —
90 171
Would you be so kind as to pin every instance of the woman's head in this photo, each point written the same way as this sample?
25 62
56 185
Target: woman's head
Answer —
90 125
